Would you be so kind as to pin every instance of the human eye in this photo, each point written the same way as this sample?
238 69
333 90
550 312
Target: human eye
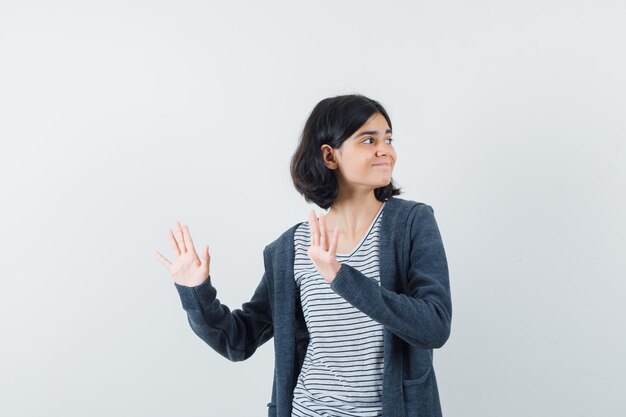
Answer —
371 139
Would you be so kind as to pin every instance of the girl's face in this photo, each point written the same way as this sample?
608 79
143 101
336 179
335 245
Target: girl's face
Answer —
366 159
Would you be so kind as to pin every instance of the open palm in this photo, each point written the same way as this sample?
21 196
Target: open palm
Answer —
323 249
188 269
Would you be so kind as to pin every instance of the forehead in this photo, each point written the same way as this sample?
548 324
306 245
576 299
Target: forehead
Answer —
376 122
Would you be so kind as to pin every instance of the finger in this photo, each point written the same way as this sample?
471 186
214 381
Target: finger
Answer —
188 241
162 259
333 241
206 258
323 236
173 242
205 253
179 237
313 228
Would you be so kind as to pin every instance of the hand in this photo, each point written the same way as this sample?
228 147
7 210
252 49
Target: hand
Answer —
322 252
188 270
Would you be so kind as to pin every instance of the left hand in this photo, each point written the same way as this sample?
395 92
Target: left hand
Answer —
322 251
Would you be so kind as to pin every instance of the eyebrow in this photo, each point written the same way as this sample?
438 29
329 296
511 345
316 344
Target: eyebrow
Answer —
371 132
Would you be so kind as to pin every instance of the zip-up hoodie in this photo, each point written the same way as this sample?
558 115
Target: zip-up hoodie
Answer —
412 302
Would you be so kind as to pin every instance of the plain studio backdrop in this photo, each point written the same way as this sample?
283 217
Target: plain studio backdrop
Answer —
119 117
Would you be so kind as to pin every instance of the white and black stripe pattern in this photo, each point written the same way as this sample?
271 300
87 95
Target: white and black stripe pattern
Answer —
343 367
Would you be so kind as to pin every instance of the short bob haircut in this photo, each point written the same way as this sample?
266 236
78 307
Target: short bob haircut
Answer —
331 122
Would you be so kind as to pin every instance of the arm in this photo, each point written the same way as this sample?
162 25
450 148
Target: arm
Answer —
235 335
423 315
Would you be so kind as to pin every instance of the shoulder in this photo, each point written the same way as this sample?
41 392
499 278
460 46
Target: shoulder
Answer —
406 208
421 222
411 218
405 202
284 242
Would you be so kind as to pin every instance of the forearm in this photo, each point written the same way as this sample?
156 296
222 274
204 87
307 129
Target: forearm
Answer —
421 322
235 335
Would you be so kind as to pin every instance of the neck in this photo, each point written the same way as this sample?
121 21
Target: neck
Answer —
353 214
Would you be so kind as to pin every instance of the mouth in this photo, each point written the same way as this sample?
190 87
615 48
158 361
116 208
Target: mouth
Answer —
385 164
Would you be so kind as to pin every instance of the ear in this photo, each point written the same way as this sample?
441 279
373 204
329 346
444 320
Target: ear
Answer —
328 156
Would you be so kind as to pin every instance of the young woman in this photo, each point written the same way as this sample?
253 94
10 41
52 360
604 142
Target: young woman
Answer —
357 299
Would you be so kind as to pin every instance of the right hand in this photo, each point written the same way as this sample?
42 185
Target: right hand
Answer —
188 269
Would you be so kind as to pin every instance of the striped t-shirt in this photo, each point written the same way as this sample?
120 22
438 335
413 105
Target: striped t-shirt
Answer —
343 366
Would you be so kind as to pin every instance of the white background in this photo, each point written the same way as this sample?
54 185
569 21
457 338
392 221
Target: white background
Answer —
119 117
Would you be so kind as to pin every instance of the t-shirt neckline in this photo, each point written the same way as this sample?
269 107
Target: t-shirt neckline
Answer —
369 229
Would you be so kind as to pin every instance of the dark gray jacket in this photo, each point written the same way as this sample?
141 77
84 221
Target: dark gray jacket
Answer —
412 302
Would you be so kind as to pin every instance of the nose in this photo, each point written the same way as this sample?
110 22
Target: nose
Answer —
383 149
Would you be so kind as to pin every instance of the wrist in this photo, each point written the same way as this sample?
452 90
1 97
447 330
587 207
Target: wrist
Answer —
335 270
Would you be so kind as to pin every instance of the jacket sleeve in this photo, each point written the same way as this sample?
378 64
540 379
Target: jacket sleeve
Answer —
234 334
423 315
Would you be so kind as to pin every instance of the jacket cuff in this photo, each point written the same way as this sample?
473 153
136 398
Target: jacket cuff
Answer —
348 283
192 298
